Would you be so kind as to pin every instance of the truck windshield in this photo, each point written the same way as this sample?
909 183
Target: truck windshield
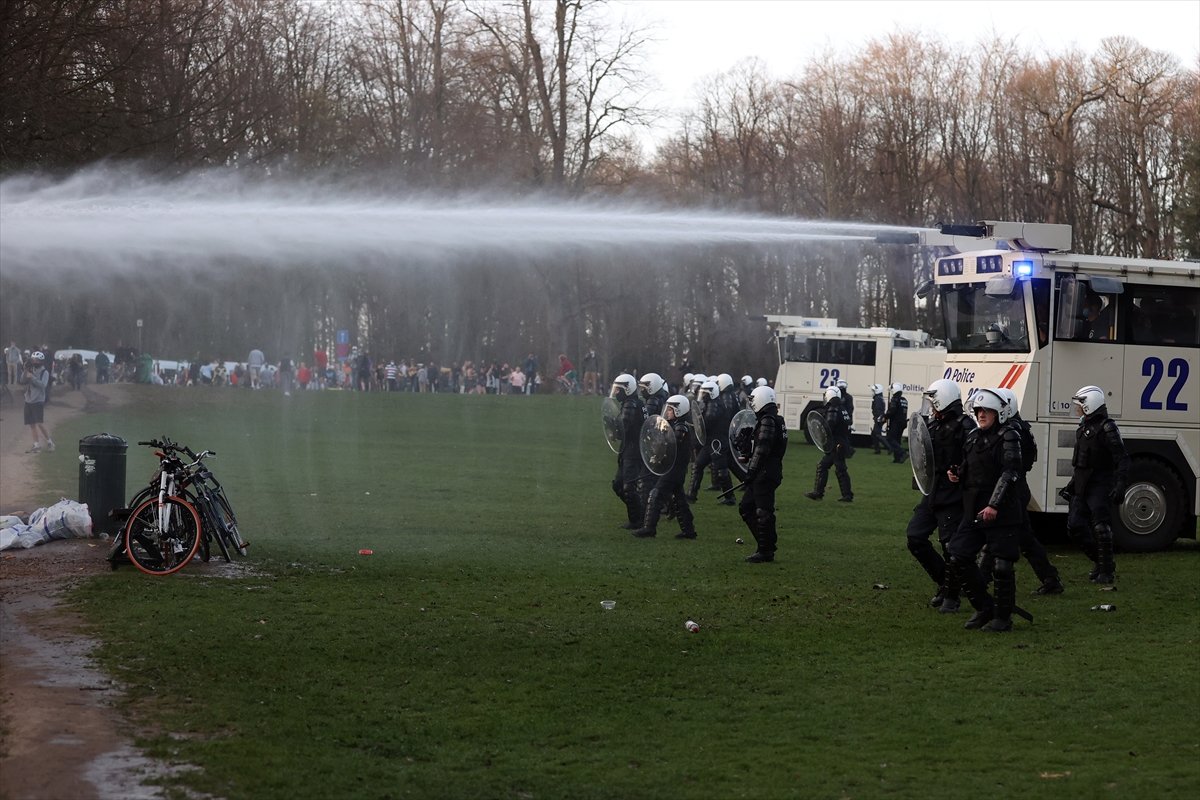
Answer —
980 323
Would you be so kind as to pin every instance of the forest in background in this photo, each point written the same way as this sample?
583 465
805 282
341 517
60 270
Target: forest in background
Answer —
543 98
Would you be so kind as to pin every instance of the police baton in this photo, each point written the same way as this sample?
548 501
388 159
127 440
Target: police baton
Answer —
731 491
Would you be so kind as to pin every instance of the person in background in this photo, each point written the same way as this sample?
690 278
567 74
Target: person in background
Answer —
531 370
897 421
878 409
103 364
12 359
36 378
254 363
287 375
517 380
591 373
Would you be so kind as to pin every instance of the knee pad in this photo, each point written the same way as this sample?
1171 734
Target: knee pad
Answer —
747 515
1102 531
765 514
918 545
1003 568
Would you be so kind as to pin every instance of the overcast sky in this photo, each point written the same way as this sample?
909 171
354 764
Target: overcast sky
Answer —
700 38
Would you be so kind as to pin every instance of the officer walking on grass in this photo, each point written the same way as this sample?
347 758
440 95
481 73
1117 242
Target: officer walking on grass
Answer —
667 491
878 409
1099 480
897 420
764 472
990 477
629 459
838 420
942 508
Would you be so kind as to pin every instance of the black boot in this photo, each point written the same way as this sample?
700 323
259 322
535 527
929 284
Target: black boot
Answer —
843 479
1051 586
1005 581
726 484
650 523
694 485
967 576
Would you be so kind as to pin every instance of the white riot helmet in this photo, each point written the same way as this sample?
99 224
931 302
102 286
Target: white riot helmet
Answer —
698 380
942 394
709 389
832 392
747 381
687 379
762 381
762 397
651 382
624 386
1089 399
897 388
38 355
1010 400
681 405
841 384
876 388
990 398
724 382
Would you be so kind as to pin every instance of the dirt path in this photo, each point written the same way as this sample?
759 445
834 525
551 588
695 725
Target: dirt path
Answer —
59 735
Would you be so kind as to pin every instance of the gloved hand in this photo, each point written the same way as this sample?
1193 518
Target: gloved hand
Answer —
1065 494
1117 495
750 476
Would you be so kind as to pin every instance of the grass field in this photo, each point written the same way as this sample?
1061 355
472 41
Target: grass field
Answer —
470 657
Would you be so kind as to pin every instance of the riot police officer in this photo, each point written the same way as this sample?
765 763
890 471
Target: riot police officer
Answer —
764 472
668 488
1032 549
942 508
847 399
748 386
838 421
629 459
878 408
990 476
897 421
1100 478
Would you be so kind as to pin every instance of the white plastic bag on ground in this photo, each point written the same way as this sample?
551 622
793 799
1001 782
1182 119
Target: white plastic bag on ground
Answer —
7 521
22 536
66 519
8 537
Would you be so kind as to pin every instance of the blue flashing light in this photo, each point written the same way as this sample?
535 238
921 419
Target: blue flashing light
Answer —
1022 269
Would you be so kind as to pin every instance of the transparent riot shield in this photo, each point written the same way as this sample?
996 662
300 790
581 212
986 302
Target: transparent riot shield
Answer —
818 430
610 417
920 453
741 441
696 417
657 442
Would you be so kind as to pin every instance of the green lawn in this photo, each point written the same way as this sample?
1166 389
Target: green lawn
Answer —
470 657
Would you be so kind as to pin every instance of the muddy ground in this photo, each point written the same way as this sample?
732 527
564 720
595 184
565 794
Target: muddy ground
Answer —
60 736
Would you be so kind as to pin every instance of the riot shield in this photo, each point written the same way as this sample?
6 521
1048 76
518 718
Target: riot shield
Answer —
696 417
610 416
818 430
741 432
657 442
920 454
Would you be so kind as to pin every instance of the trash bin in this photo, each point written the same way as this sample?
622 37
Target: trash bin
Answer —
102 478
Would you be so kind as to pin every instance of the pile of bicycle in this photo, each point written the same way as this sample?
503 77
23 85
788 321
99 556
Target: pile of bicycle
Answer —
180 515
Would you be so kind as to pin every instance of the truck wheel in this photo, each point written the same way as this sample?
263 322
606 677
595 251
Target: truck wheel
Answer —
1152 513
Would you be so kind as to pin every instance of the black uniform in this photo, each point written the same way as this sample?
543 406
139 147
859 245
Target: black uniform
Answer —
838 420
718 412
943 507
629 460
990 475
668 488
1101 475
655 403
878 407
897 421
1032 549
764 473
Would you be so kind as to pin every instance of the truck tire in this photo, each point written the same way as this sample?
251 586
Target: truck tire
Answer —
1153 512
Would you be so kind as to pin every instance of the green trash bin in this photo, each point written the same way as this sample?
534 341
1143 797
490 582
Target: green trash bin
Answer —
145 366
102 478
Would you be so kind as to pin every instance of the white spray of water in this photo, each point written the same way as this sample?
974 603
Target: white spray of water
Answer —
111 220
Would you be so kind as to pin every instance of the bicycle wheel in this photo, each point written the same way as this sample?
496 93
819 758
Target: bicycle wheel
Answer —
210 527
225 511
158 549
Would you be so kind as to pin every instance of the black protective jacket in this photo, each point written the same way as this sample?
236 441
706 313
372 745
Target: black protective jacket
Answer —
948 433
991 473
1100 453
770 443
897 412
633 414
837 417
655 403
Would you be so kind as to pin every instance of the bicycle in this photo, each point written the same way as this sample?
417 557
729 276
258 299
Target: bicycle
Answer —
196 485
162 532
